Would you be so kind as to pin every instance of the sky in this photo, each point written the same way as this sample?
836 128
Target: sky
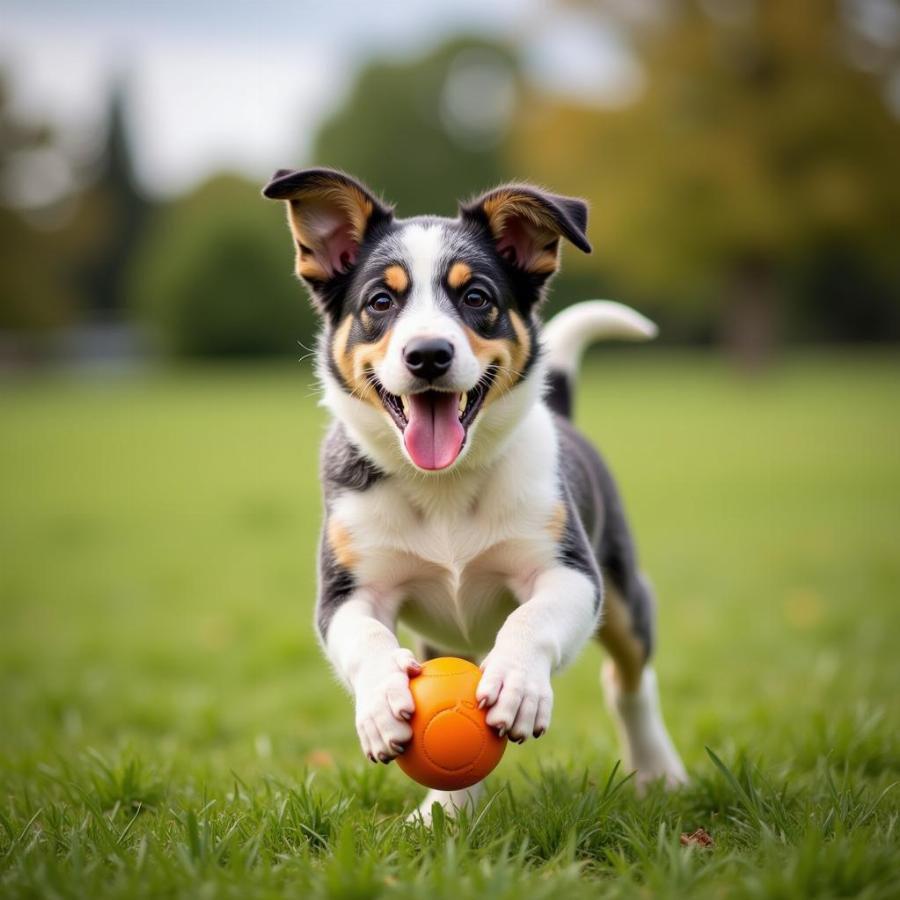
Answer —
242 84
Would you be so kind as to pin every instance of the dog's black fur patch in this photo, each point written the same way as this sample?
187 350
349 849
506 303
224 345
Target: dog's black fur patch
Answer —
343 466
602 515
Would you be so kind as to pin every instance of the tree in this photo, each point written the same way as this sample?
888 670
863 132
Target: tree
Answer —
436 129
430 131
33 300
118 212
64 252
212 277
754 149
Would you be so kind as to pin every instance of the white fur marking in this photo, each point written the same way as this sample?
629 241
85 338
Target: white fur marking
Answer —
568 333
424 246
648 749
458 553
537 639
423 316
366 655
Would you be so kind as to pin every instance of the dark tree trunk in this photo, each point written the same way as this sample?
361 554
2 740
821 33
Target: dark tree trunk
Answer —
750 324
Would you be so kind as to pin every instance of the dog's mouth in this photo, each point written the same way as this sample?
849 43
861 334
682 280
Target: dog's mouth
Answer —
434 424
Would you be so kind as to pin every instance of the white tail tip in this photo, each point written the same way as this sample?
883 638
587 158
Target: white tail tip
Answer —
574 328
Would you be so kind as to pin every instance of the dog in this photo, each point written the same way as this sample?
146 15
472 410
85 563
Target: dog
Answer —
459 499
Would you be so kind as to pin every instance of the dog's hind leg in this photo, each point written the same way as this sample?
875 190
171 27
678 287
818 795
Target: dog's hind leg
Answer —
626 620
450 801
629 685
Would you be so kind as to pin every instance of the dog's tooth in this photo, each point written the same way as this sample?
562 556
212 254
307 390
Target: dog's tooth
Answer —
404 402
463 402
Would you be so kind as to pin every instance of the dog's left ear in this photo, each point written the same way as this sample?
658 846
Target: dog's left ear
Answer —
527 223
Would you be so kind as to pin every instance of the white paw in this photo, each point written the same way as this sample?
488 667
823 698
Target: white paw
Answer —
384 706
670 770
519 696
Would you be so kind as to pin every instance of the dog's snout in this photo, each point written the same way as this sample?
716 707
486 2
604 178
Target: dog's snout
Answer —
428 358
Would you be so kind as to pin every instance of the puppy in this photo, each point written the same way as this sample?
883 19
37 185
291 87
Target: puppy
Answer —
459 499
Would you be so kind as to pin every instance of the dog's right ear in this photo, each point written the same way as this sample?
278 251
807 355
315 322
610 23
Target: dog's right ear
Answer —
329 214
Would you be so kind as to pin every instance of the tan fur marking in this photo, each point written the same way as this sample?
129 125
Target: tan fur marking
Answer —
339 350
493 352
616 633
546 262
346 197
356 365
306 263
307 207
458 275
341 546
504 204
557 522
364 357
308 268
524 341
396 279
510 356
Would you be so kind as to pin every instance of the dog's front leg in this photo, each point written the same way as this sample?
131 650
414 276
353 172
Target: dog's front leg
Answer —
369 660
540 636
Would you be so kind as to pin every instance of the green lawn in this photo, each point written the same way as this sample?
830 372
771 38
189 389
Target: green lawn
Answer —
168 726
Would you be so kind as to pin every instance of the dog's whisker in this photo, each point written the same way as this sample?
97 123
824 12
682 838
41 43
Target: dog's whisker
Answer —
369 381
509 370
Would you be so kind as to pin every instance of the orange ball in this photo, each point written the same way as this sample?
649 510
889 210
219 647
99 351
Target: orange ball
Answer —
452 746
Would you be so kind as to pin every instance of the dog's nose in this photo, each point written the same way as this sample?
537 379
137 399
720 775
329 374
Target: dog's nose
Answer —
428 358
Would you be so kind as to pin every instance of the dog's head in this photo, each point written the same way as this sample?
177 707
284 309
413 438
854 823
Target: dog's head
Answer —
429 322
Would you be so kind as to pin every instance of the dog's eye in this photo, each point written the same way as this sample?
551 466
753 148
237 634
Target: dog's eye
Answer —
380 303
475 299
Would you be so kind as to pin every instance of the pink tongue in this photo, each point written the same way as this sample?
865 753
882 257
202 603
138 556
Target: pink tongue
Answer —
434 435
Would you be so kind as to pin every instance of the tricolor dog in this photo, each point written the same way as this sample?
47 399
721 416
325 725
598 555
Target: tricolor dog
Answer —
459 499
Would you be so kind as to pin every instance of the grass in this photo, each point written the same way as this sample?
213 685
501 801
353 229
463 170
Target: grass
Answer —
169 728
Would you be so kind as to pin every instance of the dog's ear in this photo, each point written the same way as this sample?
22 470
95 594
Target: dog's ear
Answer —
527 223
329 214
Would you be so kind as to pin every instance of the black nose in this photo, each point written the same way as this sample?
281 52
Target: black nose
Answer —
428 358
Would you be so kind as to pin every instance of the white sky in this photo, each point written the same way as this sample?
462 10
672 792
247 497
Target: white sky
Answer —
242 84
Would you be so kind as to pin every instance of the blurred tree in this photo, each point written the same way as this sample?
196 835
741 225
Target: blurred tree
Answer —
433 130
117 212
63 247
429 131
754 150
33 300
213 278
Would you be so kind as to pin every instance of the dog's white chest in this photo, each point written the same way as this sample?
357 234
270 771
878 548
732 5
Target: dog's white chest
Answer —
452 573
458 609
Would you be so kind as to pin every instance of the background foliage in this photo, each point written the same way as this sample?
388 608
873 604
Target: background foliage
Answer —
212 276
743 192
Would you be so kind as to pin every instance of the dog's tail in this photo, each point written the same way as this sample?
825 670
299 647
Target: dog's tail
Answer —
570 331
